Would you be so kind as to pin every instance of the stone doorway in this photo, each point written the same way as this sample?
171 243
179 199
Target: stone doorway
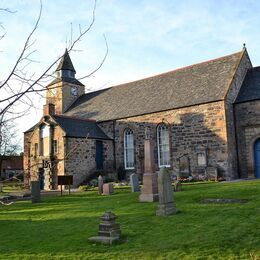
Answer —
257 157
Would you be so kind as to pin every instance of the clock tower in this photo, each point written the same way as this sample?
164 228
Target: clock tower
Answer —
65 88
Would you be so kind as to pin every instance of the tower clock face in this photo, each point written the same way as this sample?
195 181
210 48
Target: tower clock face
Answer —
74 91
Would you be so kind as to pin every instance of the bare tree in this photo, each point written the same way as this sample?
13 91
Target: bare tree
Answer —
9 144
19 84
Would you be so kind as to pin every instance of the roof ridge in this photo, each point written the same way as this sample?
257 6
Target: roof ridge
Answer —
192 65
76 118
243 52
171 71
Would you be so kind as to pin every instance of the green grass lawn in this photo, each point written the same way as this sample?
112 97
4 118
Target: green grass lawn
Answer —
59 227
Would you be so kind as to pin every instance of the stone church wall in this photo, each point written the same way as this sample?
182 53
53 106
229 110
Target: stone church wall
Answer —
190 128
33 160
80 158
244 65
248 131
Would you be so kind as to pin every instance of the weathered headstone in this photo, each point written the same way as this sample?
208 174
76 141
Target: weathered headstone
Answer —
100 184
149 191
1 187
108 189
36 192
184 166
109 230
166 202
134 181
212 173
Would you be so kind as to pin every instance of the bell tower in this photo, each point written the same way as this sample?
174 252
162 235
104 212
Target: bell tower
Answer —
65 89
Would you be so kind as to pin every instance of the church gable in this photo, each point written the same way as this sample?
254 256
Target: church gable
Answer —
197 84
250 89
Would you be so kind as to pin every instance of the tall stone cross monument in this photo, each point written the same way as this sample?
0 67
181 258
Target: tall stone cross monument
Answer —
149 192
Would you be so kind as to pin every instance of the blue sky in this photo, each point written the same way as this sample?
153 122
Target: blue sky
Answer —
144 37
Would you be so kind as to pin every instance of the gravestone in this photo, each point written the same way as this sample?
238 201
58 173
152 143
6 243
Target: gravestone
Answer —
149 191
100 184
1 187
109 230
166 203
184 166
108 189
212 173
134 181
35 191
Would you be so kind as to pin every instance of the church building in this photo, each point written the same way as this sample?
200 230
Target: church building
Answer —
200 118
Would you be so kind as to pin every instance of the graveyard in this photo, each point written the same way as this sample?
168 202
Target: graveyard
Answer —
59 227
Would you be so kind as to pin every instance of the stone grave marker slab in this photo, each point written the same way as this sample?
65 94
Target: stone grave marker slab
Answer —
100 184
134 181
35 191
108 189
166 203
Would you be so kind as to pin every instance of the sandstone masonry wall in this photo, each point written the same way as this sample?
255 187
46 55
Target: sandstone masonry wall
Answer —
244 65
33 160
81 158
191 127
248 131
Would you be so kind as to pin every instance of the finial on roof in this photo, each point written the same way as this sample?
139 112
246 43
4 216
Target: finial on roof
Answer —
244 46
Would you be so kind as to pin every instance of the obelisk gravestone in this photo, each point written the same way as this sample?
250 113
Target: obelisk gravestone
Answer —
149 191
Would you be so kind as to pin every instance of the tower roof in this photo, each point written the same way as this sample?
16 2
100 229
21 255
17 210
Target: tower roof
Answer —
65 62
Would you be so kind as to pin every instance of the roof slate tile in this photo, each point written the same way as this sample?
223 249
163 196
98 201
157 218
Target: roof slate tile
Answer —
200 83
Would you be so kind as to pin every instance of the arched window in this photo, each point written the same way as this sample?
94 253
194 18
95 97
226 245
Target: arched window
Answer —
163 144
44 140
129 149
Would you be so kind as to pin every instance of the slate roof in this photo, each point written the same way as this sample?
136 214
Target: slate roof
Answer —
250 89
200 83
31 129
67 80
75 127
65 62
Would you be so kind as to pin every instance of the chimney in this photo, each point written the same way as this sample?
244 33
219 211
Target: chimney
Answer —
48 109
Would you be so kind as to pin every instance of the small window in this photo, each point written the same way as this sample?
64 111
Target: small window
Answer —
55 146
129 149
36 149
163 146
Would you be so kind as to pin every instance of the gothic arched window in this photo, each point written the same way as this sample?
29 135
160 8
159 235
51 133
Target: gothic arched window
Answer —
163 144
129 149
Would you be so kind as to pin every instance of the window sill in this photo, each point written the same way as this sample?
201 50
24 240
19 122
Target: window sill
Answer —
132 168
166 166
